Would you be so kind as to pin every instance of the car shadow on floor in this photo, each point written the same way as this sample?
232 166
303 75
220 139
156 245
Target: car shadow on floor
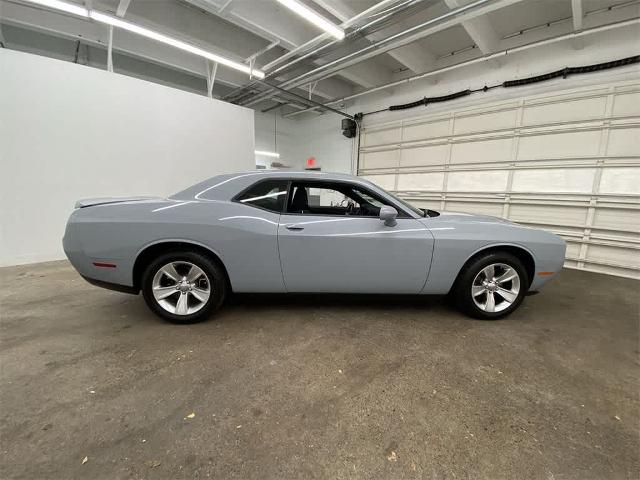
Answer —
313 300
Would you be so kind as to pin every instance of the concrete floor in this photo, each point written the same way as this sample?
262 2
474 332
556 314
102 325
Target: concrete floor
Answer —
317 387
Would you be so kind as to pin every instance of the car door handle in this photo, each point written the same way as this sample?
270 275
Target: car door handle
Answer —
294 227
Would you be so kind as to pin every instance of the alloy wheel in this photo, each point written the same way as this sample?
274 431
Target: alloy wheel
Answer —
495 287
181 288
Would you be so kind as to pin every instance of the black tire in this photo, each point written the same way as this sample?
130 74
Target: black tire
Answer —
215 277
462 291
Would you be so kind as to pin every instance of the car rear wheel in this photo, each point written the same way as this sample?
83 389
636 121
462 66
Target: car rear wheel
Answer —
183 287
491 286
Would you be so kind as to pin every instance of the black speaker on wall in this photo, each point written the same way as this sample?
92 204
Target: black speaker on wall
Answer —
349 127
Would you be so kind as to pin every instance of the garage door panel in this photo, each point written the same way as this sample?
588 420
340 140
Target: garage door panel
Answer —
624 141
493 181
493 209
561 180
619 237
627 272
485 121
422 131
381 137
566 232
565 111
573 249
620 180
420 181
424 156
559 145
383 181
620 256
626 104
493 150
556 215
383 159
430 204
566 161
614 219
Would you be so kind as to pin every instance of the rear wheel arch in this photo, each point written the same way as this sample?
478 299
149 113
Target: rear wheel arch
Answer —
520 253
153 251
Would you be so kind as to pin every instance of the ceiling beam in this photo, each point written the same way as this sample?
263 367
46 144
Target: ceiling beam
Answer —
392 42
329 85
401 39
92 33
96 35
339 13
623 23
366 75
262 51
578 15
120 12
413 57
479 29
122 7
242 22
225 6
325 90
285 39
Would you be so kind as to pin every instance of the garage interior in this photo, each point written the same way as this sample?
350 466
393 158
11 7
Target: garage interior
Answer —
528 110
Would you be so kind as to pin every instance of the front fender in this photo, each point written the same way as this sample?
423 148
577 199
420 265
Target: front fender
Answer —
456 244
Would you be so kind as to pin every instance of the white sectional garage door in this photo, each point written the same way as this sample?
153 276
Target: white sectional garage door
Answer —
568 162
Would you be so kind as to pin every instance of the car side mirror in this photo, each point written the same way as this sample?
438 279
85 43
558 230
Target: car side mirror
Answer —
388 215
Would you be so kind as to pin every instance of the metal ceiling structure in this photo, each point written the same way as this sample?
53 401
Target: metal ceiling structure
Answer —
387 42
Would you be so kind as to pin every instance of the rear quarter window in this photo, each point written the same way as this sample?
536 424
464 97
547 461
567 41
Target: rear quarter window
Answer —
266 194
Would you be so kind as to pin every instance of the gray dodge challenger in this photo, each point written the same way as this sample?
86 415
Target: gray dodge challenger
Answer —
275 231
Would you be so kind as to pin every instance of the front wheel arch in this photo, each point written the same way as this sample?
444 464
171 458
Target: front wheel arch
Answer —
520 253
153 251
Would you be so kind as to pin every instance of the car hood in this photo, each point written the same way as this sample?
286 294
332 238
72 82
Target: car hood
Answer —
459 217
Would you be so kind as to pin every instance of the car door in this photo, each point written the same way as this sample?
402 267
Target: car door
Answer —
331 239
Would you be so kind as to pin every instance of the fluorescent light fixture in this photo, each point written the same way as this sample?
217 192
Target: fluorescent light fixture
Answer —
159 37
311 16
145 32
64 6
262 153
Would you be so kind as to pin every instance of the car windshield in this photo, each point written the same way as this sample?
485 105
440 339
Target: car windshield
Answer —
416 210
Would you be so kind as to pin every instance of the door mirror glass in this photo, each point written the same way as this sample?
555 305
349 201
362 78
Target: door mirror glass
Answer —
388 215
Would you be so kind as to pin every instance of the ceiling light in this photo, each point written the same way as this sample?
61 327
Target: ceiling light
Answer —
267 154
64 6
159 37
145 32
311 16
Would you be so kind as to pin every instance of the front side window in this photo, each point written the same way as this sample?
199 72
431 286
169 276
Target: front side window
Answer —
314 198
268 195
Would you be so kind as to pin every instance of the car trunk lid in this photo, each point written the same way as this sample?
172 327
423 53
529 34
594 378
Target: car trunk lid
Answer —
91 202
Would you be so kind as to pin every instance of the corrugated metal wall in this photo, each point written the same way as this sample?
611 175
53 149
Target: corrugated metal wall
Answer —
567 161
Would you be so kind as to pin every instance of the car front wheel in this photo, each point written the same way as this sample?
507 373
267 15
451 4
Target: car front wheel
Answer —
491 286
183 287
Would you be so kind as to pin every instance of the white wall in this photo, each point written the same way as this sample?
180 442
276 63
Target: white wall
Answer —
299 138
69 132
277 134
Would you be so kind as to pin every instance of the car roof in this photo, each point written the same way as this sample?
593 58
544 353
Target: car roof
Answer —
224 187
312 174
